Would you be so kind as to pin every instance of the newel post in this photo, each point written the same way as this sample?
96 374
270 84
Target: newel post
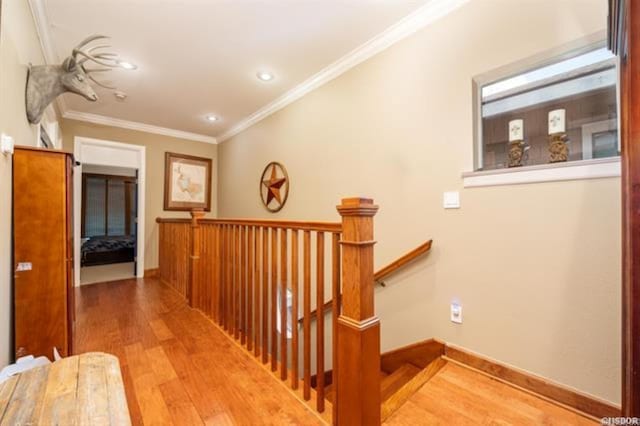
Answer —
358 348
194 254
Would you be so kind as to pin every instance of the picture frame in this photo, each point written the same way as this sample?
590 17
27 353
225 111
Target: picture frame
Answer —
187 182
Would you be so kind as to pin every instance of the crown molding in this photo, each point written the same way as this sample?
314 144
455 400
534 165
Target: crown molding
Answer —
134 125
425 15
41 19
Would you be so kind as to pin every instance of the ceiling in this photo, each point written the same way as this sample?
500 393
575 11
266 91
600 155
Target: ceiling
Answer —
199 57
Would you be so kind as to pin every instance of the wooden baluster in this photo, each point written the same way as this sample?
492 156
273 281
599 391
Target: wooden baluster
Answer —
215 277
225 276
335 312
265 294
358 375
236 283
203 267
250 288
256 295
294 309
219 273
242 323
194 257
274 300
210 262
320 322
306 322
283 304
229 301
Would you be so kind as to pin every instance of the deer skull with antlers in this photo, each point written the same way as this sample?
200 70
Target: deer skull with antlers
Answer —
47 82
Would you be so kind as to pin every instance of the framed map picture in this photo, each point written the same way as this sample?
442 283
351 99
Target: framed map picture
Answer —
187 182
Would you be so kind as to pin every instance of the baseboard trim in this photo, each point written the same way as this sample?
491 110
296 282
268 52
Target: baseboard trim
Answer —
535 384
420 354
151 273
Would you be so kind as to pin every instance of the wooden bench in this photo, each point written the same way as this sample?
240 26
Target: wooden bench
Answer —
84 389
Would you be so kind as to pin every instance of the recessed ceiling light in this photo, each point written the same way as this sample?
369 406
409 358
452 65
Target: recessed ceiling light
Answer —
127 65
265 76
212 118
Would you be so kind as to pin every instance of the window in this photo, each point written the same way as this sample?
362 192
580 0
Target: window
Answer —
108 205
581 88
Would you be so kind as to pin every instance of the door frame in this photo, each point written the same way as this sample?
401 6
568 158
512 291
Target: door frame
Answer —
624 36
114 154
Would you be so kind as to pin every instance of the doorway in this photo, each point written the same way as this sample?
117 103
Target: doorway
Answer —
108 211
108 218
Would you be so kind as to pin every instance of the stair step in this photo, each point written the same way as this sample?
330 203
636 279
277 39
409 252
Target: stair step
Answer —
329 390
396 380
401 396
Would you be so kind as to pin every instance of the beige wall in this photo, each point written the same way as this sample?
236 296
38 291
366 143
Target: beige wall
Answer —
536 267
19 46
156 146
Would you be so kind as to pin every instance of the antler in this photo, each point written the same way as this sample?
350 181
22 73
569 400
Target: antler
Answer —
101 58
107 59
101 84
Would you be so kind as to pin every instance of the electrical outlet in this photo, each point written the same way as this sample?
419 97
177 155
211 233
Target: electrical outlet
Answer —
451 200
456 313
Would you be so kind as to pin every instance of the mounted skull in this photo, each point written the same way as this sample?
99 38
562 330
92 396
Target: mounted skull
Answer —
47 82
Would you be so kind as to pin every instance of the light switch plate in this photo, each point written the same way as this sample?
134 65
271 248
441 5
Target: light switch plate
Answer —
451 200
6 144
456 313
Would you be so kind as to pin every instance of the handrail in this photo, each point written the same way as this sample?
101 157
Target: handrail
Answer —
387 270
334 227
401 261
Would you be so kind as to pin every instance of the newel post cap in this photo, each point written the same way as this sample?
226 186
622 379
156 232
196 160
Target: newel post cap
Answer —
357 206
196 214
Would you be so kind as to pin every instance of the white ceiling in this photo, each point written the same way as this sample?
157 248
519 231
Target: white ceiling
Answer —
201 56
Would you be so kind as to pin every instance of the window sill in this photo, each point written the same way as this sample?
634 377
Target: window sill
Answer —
574 170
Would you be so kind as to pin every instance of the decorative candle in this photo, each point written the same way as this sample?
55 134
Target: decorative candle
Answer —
516 130
557 121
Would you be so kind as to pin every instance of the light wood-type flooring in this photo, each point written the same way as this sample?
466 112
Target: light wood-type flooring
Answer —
178 368
457 395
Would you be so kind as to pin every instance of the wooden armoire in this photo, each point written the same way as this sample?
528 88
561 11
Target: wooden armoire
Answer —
43 251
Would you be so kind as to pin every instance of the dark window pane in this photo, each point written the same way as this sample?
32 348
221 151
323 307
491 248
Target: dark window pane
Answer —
116 218
94 218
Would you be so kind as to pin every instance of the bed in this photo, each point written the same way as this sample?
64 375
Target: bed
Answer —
107 250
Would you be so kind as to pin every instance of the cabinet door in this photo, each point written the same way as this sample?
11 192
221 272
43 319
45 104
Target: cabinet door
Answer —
40 252
71 304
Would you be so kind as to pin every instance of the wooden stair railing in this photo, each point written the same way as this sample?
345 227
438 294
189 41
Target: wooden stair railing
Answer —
386 271
401 261
238 272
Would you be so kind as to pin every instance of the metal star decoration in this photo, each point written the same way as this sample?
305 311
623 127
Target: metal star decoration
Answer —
274 187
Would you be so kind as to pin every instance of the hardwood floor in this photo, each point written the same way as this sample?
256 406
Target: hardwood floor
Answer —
178 368
457 395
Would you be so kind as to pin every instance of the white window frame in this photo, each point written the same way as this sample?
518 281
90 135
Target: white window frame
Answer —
573 170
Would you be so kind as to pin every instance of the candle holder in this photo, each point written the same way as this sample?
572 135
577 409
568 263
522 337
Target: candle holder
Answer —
517 151
558 148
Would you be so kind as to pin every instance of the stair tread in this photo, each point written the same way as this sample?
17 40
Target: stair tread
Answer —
391 383
398 398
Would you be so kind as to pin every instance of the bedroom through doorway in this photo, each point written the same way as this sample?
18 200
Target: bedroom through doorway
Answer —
109 210
108 223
